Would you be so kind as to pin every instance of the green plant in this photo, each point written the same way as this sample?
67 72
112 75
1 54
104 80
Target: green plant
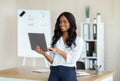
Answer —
94 51
87 11
98 13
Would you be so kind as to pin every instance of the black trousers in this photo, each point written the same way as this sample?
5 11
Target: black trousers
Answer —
62 73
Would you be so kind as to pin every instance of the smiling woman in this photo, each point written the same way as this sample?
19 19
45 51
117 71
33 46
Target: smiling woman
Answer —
66 48
110 15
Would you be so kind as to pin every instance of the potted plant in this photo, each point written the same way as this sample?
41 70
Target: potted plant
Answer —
87 13
94 53
98 17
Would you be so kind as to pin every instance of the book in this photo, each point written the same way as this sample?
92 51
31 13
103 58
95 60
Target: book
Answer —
82 74
41 70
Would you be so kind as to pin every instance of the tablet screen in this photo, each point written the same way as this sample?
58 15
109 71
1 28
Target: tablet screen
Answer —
37 39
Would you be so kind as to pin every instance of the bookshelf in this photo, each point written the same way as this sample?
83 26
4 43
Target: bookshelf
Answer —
93 52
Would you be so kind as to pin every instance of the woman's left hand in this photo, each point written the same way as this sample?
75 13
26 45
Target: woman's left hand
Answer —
58 51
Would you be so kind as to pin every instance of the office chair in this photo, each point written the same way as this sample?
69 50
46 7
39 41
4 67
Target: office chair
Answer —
80 65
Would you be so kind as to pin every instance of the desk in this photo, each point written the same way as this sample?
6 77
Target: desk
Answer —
26 73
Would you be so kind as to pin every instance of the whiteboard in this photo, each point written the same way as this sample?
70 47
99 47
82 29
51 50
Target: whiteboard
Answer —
32 21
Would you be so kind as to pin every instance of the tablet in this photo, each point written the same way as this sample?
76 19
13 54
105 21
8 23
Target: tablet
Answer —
37 39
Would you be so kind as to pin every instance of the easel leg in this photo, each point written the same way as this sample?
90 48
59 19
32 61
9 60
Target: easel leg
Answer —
34 62
24 60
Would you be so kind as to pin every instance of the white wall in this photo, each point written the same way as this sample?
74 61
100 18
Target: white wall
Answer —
8 34
110 10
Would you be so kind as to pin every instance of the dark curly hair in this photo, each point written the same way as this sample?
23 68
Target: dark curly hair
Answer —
71 32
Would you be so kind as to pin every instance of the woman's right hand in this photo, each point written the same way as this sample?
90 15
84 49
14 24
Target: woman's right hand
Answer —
39 50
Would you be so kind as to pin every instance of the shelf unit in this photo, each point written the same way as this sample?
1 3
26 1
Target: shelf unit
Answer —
93 35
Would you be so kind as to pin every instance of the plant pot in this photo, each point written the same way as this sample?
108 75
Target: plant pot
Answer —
94 55
87 19
98 18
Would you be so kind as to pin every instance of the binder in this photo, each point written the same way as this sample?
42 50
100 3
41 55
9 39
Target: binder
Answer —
92 62
91 31
90 47
87 49
94 31
86 31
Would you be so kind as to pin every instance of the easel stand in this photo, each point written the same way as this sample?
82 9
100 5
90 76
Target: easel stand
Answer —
34 62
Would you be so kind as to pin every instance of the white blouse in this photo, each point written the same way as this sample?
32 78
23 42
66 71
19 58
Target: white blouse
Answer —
73 54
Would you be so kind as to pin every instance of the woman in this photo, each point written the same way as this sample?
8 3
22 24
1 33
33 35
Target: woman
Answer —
65 49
